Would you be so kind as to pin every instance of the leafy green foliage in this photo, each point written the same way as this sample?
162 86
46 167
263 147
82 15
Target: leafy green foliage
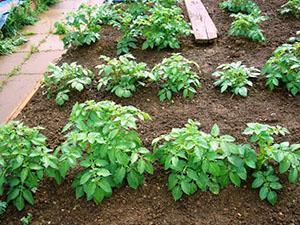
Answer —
25 220
175 74
291 7
82 26
122 75
284 67
159 27
107 14
248 26
8 45
286 156
61 80
104 140
43 5
236 77
239 6
165 3
19 16
60 28
24 158
3 206
202 160
268 183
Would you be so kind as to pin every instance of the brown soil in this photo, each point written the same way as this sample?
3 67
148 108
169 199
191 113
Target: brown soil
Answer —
152 203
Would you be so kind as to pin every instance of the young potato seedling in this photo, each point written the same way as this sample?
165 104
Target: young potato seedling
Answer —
24 159
60 80
199 160
236 77
161 27
291 7
239 6
270 155
81 27
175 75
103 140
284 67
122 75
248 26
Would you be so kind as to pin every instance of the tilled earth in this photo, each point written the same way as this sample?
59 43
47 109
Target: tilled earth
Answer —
152 203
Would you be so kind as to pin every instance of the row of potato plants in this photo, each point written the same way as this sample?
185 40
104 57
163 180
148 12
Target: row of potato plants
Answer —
123 75
102 140
247 17
160 24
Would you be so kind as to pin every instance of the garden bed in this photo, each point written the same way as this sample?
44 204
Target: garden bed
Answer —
152 203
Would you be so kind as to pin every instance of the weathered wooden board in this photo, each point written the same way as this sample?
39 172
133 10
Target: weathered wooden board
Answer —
203 27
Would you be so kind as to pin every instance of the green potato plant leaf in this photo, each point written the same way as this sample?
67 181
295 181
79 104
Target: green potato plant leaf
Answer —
236 77
102 138
291 7
199 160
269 154
122 75
175 74
24 159
61 80
239 6
283 67
247 25
156 23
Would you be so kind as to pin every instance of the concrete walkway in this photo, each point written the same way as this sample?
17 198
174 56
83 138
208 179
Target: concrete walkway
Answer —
22 71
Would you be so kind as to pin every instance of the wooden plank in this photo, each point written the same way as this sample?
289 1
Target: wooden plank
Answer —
203 27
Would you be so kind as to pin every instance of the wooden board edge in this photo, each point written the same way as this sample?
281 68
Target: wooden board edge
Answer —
23 104
212 34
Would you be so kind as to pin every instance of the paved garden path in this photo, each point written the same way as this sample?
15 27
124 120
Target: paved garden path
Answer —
22 72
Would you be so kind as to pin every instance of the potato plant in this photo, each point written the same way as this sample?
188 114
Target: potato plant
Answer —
175 75
24 159
199 160
291 7
103 140
239 6
284 67
161 27
61 80
236 77
122 75
248 26
270 155
81 27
